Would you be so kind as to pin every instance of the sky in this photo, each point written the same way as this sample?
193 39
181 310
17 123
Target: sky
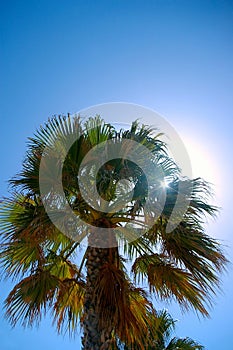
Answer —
172 56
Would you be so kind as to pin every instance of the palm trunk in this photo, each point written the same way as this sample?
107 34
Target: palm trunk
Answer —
95 337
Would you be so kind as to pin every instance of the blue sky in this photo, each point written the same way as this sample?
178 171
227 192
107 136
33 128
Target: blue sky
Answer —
174 56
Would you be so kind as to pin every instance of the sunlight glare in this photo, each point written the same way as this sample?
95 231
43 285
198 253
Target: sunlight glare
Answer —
203 164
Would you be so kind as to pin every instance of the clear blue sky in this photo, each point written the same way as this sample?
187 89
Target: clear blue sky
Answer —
172 56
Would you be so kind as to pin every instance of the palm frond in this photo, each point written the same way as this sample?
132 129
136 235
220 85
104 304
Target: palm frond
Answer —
30 298
197 252
183 344
168 281
68 308
54 135
121 306
97 130
27 235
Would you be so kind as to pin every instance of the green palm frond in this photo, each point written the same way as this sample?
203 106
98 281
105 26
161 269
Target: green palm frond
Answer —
165 326
98 131
169 281
146 135
197 252
30 298
22 233
184 344
27 235
53 135
160 329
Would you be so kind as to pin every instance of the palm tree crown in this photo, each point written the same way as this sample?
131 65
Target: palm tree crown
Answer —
92 286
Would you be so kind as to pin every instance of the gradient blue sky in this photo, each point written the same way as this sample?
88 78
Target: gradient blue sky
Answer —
172 56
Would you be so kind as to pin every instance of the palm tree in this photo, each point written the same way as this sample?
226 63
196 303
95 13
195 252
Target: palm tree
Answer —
92 286
165 326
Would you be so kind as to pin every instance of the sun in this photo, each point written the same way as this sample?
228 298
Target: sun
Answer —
164 184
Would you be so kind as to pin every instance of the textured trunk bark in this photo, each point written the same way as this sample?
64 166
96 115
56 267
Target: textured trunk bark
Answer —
95 337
